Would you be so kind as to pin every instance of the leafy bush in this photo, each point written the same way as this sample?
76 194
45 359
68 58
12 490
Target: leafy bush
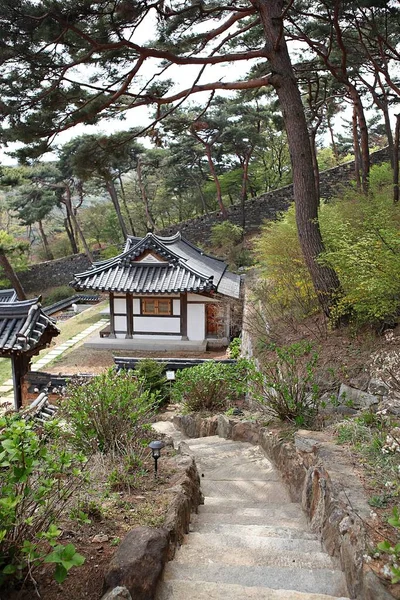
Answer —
37 479
287 285
57 294
210 386
109 413
153 377
235 347
285 384
225 234
362 237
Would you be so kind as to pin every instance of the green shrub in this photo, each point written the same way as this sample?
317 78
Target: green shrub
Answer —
362 238
109 413
287 285
235 347
225 235
210 386
37 479
153 377
57 294
286 386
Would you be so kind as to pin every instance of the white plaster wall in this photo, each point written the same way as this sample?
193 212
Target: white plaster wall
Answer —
120 305
120 323
196 325
136 306
159 324
200 298
176 307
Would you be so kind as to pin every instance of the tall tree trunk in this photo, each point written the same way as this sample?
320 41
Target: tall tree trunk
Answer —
325 280
356 144
70 234
313 146
114 197
11 275
243 193
49 254
203 200
150 221
75 222
124 202
396 160
216 180
364 144
333 141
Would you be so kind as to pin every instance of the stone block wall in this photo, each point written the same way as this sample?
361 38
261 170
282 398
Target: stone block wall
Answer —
53 273
269 205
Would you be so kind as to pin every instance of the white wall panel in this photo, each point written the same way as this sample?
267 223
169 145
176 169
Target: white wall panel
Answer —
196 321
200 298
156 324
120 323
177 307
136 306
120 305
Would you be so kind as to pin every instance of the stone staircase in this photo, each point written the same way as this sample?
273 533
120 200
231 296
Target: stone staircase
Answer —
248 540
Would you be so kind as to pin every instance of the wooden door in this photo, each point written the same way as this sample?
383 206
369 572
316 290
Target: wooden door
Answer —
212 320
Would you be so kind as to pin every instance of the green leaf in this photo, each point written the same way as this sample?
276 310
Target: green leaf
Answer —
9 569
60 573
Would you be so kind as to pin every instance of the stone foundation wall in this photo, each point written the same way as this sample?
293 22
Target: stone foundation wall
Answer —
53 273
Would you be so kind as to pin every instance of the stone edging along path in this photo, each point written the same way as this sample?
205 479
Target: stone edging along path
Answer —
319 476
137 564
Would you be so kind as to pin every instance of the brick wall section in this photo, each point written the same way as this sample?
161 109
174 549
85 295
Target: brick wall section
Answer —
267 206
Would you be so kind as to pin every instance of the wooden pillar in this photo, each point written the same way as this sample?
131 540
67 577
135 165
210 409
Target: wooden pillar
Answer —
184 316
112 316
129 316
20 366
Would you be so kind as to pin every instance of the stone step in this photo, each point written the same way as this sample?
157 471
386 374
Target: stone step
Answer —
205 590
231 541
270 492
274 531
322 581
286 515
278 553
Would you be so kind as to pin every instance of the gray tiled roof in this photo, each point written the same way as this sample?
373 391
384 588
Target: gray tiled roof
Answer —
185 269
23 325
9 295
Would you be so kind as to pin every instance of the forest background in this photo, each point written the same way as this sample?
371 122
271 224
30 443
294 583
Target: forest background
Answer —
74 63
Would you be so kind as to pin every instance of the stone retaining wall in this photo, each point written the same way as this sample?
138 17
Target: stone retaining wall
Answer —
319 476
53 273
138 563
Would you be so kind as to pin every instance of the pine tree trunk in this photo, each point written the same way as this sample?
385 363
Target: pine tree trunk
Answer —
70 235
12 276
124 202
75 223
325 280
364 143
150 221
356 145
396 160
216 181
113 195
49 254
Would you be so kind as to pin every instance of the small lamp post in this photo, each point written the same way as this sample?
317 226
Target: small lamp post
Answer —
156 452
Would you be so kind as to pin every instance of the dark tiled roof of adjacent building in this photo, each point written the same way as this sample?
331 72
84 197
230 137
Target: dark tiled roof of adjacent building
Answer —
184 268
8 295
24 327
